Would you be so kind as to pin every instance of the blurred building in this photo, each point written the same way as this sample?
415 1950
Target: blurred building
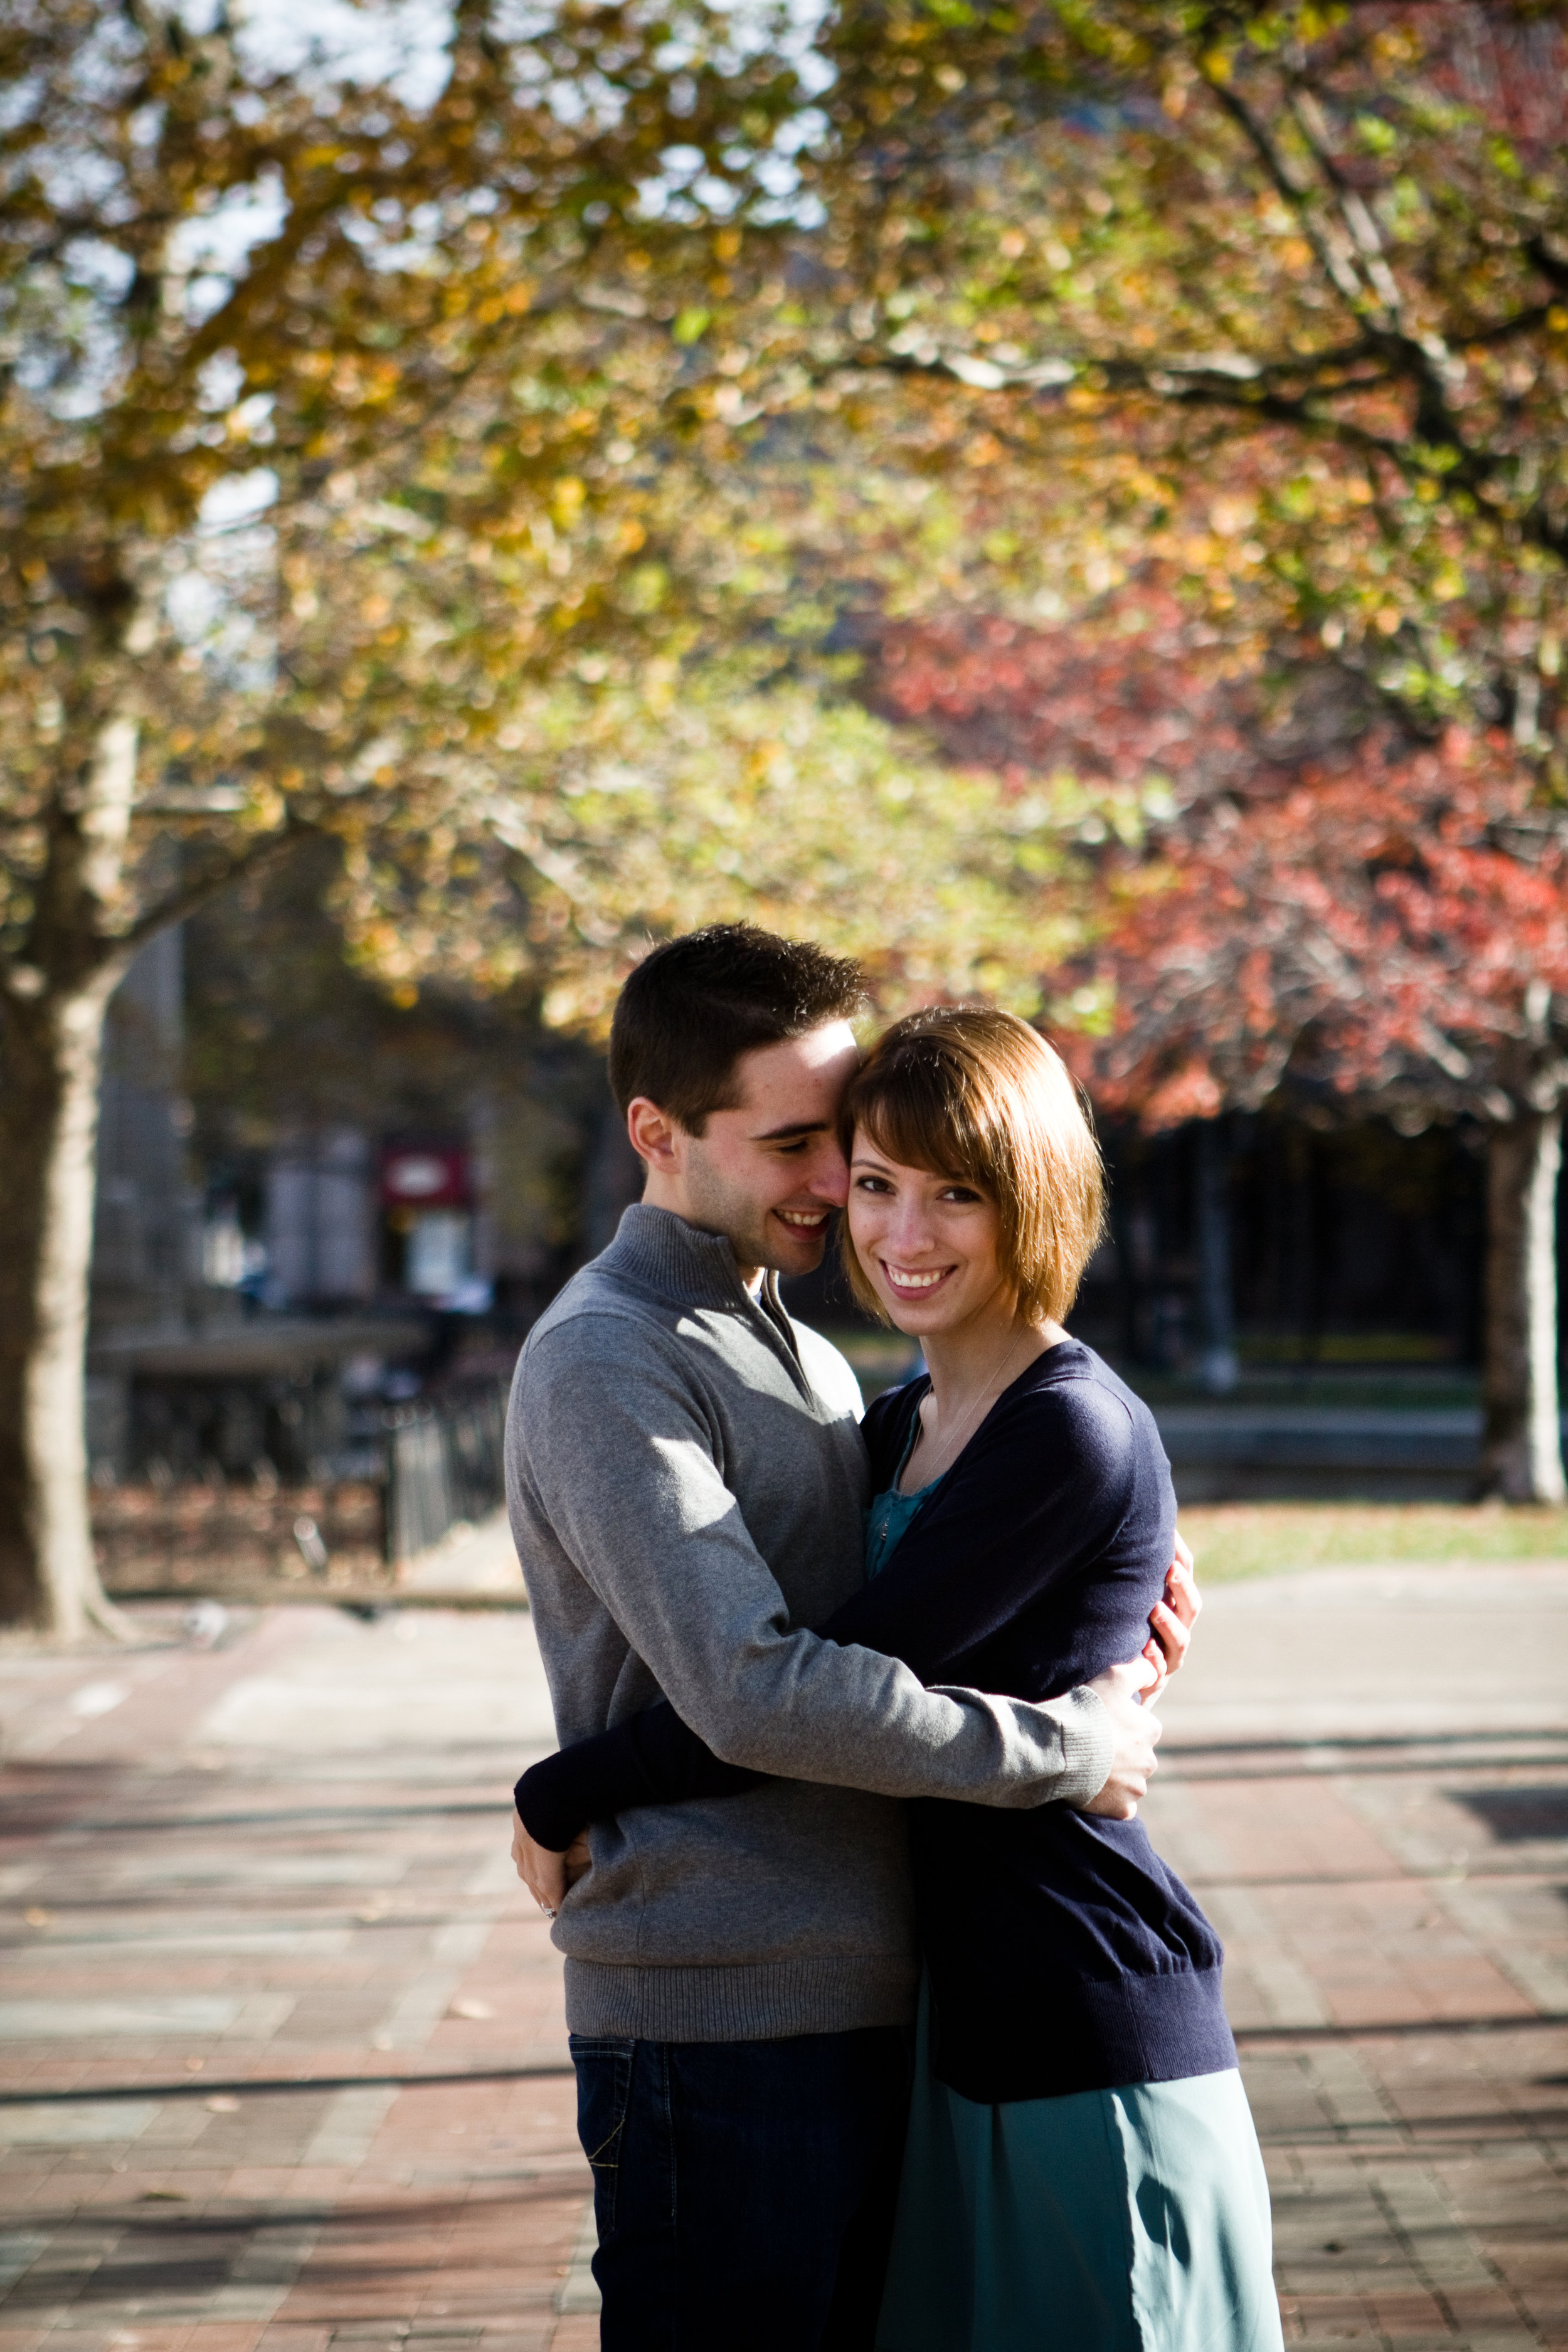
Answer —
315 1206
147 1230
187 1370
318 1232
1287 1241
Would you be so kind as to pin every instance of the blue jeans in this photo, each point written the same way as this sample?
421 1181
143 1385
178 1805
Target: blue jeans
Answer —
744 2191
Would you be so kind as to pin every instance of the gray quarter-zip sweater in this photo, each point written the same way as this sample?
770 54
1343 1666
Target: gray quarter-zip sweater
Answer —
687 1479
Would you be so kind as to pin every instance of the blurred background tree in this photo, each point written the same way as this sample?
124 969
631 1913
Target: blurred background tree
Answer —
1310 903
510 454
226 274
1267 307
333 381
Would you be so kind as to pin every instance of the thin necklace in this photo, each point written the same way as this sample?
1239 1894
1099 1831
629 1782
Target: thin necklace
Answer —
963 1430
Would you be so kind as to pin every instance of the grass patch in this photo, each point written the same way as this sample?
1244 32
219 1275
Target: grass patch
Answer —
1234 1539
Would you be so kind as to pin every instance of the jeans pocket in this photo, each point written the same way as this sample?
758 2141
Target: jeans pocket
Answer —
604 2094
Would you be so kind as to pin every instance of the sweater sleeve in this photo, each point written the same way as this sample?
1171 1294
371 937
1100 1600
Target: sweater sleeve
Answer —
662 1542
1032 1501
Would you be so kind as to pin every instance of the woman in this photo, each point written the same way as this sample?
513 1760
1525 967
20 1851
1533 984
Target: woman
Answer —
1082 2169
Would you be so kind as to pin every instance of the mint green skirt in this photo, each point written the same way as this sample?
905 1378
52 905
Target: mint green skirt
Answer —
1127 2220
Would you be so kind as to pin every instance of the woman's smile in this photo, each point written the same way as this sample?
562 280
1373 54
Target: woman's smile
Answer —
915 1283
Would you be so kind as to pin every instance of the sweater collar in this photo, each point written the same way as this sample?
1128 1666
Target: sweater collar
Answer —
659 1250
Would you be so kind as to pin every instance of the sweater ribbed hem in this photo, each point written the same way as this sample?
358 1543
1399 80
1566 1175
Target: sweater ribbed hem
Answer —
1050 2040
767 2001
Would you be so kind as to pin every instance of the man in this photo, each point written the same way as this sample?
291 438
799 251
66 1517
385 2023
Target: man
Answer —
687 1483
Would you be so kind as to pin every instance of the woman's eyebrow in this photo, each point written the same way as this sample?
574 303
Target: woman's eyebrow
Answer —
869 1159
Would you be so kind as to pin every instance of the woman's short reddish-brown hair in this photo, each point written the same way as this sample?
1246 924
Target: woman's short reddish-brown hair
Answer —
974 1094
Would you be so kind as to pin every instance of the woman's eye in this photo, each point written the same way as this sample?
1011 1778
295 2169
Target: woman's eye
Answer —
872 1184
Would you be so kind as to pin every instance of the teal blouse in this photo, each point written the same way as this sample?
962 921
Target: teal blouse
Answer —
888 1513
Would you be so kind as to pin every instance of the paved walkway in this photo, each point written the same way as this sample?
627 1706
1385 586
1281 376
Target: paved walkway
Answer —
285 2061
1366 1783
284 2065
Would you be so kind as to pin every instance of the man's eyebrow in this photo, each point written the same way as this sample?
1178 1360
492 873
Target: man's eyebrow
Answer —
797 1127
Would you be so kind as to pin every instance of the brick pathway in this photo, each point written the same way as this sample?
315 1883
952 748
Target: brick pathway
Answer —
284 2064
1365 1780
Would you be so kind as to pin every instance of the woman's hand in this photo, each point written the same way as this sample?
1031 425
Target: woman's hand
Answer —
547 1875
1172 1619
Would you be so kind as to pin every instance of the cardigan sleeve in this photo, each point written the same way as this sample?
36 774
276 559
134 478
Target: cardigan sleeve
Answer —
650 1759
1035 1497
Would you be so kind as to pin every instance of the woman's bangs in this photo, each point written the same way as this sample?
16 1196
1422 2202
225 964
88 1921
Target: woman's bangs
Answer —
912 1119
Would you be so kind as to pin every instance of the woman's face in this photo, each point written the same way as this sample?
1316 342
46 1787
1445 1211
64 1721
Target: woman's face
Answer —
927 1243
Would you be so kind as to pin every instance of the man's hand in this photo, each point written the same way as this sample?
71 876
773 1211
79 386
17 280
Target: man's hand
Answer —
547 1876
1172 1618
1136 1729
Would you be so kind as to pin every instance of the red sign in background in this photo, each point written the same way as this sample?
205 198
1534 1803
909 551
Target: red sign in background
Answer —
425 1176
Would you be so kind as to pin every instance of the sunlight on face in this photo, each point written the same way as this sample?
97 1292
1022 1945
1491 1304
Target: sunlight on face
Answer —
769 1173
927 1243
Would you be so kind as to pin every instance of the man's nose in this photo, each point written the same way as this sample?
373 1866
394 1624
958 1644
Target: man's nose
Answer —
830 1174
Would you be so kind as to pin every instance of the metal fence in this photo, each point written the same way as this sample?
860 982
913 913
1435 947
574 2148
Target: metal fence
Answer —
444 1464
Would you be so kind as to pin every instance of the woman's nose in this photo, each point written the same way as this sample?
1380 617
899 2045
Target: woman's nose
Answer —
909 1232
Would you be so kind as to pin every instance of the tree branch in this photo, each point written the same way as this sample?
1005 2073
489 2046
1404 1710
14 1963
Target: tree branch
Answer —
1343 279
1424 359
218 877
1554 271
1359 226
1178 383
1502 331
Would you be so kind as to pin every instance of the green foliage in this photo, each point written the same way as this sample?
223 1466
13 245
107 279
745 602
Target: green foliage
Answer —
1273 302
542 402
360 437
647 807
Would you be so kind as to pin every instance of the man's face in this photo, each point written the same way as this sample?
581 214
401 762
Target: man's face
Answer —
769 1174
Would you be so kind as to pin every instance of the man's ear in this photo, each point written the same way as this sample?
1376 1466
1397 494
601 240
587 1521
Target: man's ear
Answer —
655 1136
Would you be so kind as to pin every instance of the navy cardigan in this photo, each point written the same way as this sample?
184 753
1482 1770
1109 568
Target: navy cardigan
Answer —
1064 1956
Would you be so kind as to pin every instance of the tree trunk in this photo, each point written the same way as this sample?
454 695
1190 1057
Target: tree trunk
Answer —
1216 1310
51 1049
1521 1447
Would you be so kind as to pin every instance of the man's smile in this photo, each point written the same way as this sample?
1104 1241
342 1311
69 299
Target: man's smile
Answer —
809 1219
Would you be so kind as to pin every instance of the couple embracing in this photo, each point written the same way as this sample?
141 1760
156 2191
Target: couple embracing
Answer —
892 2032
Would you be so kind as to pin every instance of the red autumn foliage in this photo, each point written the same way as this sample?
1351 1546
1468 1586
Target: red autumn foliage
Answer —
1382 918
1386 925
1110 708
1512 67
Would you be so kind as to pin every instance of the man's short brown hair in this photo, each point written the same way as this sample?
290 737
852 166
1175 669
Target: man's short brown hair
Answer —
977 1094
696 1004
